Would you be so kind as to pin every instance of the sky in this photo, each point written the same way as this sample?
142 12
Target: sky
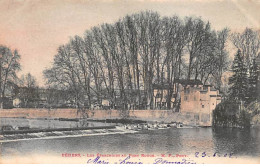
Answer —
36 28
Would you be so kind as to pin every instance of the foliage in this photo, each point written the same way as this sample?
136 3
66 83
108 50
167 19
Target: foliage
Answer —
225 114
254 109
229 113
244 119
239 79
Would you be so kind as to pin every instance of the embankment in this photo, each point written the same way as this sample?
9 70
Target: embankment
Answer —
187 118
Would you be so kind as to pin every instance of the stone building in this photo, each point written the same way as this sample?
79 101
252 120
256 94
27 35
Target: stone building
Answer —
199 99
195 98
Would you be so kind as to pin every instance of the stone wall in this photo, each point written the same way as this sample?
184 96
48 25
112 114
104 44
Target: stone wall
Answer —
187 118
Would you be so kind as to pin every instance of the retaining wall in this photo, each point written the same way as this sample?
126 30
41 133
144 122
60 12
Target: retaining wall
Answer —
146 115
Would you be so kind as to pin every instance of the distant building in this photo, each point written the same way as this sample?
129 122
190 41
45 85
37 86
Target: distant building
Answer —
160 93
17 102
41 98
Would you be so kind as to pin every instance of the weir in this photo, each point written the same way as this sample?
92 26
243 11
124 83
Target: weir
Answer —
51 130
62 134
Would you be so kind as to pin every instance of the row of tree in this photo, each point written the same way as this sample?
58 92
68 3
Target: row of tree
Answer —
122 61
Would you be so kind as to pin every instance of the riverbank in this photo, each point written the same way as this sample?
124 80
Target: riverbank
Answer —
230 114
167 116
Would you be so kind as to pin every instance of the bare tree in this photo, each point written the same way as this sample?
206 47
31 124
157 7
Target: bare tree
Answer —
122 61
249 44
28 81
65 72
28 91
221 58
132 47
9 65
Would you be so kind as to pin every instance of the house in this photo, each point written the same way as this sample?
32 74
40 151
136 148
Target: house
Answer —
41 98
199 99
160 93
17 102
194 97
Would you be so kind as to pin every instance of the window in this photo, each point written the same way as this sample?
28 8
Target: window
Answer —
186 90
163 104
202 105
185 98
158 95
158 104
205 88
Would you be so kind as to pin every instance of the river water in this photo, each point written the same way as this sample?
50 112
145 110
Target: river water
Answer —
190 141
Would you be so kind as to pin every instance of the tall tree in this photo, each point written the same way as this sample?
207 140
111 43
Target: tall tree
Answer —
28 91
28 81
252 82
221 58
249 43
9 65
239 79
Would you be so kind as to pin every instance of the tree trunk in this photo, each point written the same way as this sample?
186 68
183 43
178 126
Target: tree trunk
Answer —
1 97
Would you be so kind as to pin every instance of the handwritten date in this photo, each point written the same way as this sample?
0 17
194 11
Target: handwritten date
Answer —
205 154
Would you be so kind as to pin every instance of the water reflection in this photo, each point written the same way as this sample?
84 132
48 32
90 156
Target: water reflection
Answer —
239 141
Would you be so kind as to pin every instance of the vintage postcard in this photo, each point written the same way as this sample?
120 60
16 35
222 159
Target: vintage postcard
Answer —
130 82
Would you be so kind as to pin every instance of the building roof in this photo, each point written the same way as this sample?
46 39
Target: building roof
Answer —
189 82
180 81
214 95
161 86
213 89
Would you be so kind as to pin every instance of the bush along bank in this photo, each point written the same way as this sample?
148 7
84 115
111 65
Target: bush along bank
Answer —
231 113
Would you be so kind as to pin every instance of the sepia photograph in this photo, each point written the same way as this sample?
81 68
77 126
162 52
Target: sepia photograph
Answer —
130 82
